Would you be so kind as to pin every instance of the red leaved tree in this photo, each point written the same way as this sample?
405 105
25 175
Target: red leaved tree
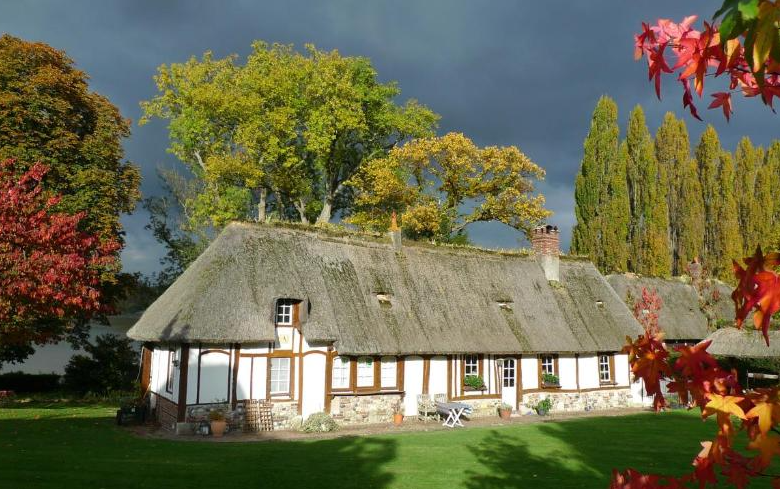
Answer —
743 50
646 310
50 271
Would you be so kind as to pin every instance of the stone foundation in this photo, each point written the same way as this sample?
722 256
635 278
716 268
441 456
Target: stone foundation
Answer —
379 408
284 414
481 408
580 401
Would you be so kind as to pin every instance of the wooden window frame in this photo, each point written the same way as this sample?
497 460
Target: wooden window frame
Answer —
376 384
348 362
291 386
556 372
503 372
294 314
611 362
480 368
395 363
170 371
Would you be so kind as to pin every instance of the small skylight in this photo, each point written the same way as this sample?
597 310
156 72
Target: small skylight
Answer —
599 303
505 305
385 300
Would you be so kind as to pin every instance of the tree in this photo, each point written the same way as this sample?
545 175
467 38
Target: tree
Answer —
50 271
690 231
745 46
744 190
284 128
111 364
49 115
647 189
726 223
616 217
590 188
708 154
672 150
764 212
430 181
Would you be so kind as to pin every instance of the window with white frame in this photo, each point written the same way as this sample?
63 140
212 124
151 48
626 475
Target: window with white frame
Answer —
284 312
365 372
548 364
605 368
509 372
389 370
280 375
471 365
340 373
171 371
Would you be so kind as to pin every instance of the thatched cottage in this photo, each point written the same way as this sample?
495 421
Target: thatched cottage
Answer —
353 325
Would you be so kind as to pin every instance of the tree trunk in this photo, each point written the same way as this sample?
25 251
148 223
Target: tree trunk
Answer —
327 208
301 207
261 216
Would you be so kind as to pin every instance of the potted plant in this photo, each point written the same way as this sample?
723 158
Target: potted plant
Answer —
543 407
550 380
398 414
131 409
217 422
473 383
504 410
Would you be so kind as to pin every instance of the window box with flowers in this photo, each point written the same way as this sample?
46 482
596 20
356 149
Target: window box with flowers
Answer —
473 383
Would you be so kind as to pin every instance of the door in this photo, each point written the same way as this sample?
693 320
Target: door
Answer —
509 382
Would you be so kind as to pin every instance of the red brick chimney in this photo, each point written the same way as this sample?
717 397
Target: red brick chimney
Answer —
545 241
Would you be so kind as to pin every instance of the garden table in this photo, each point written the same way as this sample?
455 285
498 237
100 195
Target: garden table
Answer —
453 411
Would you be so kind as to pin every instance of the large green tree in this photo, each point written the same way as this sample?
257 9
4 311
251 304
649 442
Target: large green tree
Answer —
615 217
727 228
591 186
747 165
690 217
284 131
49 114
708 153
647 190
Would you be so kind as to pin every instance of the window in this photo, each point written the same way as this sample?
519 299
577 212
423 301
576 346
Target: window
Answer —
605 368
389 369
284 312
509 372
471 365
548 364
340 373
280 376
365 372
171 370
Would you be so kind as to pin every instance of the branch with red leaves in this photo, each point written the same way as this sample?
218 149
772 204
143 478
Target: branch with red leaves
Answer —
48 268
744 48
699 381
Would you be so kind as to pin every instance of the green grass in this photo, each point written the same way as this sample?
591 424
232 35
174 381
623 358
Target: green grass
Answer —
80 447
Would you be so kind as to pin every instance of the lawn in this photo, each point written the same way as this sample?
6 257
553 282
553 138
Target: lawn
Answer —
80 447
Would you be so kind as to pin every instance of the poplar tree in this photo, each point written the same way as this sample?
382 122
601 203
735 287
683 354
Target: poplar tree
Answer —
764 209
744 190
708 154
590 189
772 162
672 150
647 190
690 233
616 216
728 244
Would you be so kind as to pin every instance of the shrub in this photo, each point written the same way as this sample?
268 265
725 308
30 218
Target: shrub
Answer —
112 365
544 405
550 379
23 383
474 381
319 423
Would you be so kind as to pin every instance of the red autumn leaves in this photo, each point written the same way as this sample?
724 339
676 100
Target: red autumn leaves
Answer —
48 267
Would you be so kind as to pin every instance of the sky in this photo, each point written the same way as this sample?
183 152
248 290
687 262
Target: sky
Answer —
503 72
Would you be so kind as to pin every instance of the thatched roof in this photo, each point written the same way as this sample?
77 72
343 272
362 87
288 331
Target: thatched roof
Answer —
745 343
441 299
681 316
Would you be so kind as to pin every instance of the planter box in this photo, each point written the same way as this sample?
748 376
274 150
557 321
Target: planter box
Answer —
469 388
545 385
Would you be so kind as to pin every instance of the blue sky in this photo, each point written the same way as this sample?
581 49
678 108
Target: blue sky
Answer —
504 73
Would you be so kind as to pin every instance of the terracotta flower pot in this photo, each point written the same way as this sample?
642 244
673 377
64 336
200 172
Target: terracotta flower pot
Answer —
398 418
218 428
504 413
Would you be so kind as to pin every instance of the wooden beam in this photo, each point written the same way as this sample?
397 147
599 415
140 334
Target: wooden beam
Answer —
184 361
426 374
236 358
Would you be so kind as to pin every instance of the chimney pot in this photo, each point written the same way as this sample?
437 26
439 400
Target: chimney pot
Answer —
545 241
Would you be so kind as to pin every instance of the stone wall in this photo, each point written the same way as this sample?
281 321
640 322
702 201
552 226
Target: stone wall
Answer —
377 408
481 408
285 414
166 413
580 401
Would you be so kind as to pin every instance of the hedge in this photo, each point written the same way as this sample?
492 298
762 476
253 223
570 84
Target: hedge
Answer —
21 382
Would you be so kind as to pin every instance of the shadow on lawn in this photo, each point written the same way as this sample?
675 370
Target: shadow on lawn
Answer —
582 453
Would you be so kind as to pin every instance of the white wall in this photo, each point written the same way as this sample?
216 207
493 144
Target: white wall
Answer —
214 377
589 371
313 384
413 374
437 381
530 372
567 371
160 373
621 369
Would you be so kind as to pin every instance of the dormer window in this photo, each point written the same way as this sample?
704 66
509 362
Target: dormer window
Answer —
284 312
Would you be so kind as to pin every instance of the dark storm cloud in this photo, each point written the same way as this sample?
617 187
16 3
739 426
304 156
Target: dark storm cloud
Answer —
522 73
